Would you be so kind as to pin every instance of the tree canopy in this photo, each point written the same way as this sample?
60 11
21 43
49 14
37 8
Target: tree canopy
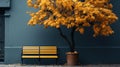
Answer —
76 14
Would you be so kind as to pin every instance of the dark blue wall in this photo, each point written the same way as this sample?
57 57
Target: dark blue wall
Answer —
100 50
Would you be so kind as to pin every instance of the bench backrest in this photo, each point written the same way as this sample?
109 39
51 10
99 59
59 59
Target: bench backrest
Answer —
30 50
48 50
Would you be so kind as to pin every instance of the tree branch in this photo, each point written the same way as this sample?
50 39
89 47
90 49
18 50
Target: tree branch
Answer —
65 37
71 42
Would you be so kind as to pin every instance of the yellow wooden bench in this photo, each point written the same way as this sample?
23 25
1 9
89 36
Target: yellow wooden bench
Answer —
39 52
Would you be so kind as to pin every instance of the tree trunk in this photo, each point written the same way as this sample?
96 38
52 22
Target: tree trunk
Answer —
72 48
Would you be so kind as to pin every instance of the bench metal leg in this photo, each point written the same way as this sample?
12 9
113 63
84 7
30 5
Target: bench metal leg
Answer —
21 60
56 61
39 61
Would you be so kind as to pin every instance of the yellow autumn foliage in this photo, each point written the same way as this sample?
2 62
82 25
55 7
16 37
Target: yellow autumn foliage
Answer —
74 14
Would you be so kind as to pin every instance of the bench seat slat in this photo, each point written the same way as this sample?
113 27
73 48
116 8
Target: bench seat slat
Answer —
48 56
30 51
48 47
30 56
31 47
48 51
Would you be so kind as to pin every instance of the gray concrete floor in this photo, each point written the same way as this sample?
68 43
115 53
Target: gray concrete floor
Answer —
18 65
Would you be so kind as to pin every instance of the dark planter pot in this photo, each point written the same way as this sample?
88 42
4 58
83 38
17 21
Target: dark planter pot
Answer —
72 58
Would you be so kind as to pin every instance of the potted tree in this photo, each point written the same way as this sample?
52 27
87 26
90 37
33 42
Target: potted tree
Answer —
74 15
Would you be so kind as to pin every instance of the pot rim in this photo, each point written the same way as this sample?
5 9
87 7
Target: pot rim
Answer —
70 53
